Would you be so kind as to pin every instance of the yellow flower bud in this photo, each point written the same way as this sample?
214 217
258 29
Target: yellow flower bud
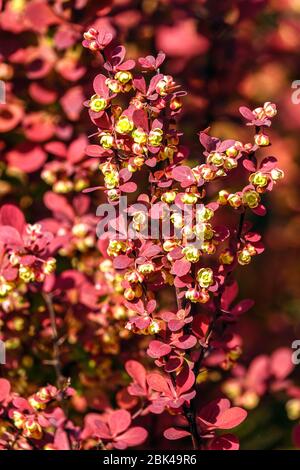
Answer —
243 257
232 152
270 109
155 137
169 245
191 253
235 200
139 135
114 85
205 277
26 273
277 174
177 220
262 139
216 158
146 268
32 429
168 197
154 327
230 163
106 140
189 198
111 180
222 197
123 76
49 266
293 408
226 257
204 214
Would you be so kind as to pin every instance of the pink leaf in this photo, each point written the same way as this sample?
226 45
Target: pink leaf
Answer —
11 215
119 421
246 113
181 268
158 349
100 86
173 434
225 442
231 418
122 262
133 437
4 389
158 383
137 372
10 236
183 174
281 363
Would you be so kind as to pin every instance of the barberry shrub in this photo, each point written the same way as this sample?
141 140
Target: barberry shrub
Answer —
139 319
138 143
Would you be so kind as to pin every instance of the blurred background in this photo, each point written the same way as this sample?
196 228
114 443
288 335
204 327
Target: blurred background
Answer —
225 54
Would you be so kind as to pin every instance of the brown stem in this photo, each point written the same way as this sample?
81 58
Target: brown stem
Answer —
60 379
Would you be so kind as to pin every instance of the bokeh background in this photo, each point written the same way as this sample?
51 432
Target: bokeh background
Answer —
225 54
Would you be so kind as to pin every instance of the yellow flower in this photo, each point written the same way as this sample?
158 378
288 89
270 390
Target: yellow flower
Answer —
155 137
222 197
251 198
123 76
26 273
262 140
106 140
259 179
189 198
191 253
216 159
244 257
226 257
277 174
234 200
168 197
97 103
205 277
139 135
124 125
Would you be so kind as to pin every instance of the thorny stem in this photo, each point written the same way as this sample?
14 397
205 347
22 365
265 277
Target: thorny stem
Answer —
60 379
190 411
